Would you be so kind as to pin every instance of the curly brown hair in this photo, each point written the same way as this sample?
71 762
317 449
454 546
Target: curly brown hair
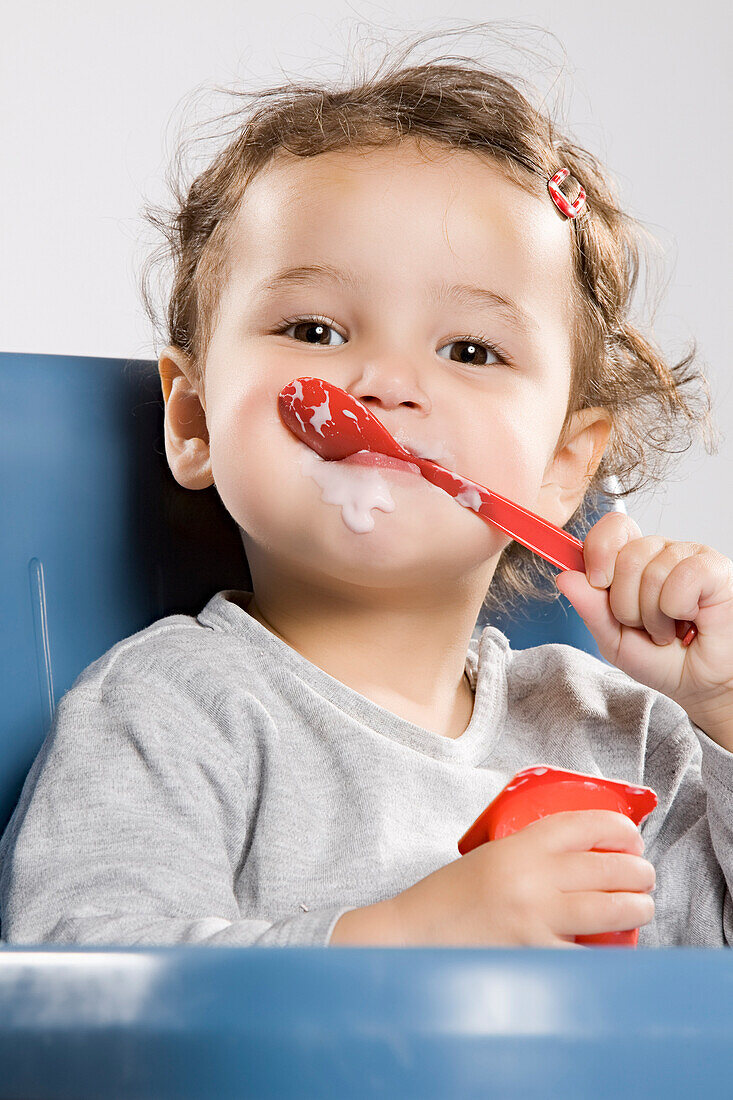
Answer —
656 408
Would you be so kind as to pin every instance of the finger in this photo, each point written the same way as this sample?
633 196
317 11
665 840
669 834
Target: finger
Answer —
588 913
551 940
581 830
624 589
656 622
603 543
594 609
604 871
699 581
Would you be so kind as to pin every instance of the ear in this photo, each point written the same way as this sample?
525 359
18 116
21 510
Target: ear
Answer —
571 468
186 433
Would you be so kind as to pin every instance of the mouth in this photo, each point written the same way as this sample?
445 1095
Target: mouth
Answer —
383 462
435 452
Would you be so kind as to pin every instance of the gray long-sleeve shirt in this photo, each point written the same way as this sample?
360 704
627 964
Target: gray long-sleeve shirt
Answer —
202 782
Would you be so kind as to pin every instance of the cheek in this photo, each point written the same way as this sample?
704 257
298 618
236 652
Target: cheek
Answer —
253 456
509 451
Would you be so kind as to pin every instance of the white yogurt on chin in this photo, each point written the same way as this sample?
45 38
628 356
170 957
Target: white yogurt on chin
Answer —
356 489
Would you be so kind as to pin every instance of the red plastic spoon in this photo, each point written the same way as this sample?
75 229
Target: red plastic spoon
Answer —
335 425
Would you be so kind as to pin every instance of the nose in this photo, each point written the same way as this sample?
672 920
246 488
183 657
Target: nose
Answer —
385 388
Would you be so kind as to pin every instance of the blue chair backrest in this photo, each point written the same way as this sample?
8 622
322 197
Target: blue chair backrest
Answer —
98 539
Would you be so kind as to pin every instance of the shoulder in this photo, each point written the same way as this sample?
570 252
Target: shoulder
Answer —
161 653
182 675
572 686
156 697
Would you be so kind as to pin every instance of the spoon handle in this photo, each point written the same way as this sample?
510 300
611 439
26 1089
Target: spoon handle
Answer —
539 535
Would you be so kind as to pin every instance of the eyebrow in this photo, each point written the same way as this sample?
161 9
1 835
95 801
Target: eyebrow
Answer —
438 294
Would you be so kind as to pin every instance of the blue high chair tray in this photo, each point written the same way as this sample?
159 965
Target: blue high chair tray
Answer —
214 1023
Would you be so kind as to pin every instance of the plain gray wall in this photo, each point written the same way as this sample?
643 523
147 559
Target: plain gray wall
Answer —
92 95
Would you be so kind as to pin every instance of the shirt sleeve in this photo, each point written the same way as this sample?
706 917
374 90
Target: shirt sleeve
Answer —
130 828
689 840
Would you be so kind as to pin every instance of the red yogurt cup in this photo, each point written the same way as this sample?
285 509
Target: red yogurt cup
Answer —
539 791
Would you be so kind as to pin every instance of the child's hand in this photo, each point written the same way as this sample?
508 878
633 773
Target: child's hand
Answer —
633 590
538 887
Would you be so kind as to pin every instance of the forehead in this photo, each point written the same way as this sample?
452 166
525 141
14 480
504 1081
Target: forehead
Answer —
401 214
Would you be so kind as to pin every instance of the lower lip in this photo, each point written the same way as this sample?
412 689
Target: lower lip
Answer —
386 462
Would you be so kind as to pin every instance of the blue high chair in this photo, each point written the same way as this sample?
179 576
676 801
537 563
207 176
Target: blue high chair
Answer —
98 541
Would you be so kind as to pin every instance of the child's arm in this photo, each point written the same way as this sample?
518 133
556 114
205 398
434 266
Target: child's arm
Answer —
366 926
132 825
689 837
644 585
538 887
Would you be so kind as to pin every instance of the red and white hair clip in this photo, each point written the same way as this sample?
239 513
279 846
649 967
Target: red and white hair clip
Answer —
569 209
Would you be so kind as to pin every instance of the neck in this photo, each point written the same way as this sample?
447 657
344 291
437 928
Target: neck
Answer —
403 649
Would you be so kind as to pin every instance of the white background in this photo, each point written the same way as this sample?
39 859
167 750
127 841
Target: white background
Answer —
92 96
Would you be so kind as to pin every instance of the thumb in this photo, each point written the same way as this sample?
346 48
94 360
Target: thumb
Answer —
594 608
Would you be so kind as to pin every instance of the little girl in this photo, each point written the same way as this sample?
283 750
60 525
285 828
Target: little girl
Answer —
296 763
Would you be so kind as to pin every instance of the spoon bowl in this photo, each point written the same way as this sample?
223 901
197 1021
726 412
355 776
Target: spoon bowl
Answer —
332 422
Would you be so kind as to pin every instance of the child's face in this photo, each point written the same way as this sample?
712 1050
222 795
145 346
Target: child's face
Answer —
402 225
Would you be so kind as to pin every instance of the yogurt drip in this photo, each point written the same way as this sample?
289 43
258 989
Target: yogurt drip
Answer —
357 489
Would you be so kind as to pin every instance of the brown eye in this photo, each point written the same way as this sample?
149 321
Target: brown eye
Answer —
471 352
313 332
